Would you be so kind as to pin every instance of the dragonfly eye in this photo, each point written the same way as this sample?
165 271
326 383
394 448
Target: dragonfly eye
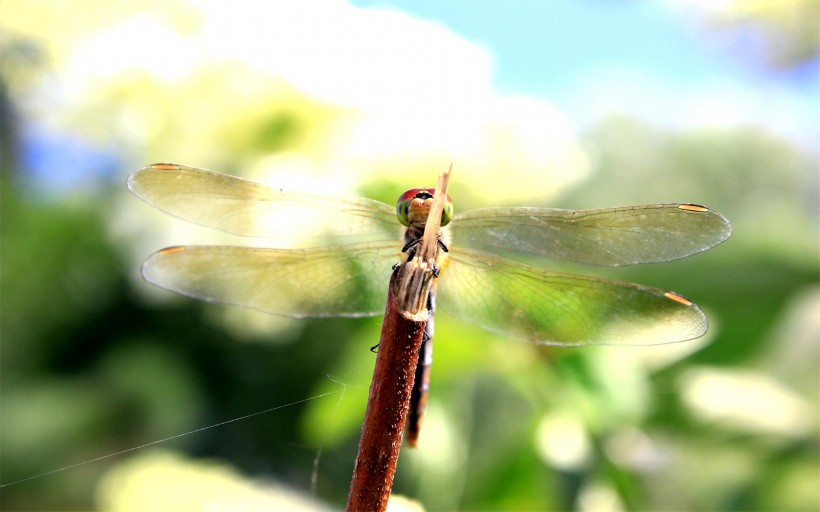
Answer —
403 207
447 213
414 205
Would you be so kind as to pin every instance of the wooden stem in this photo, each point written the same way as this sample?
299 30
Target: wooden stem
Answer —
404 320
386 409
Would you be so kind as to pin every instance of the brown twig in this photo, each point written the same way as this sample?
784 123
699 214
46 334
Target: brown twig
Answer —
404 321
386 409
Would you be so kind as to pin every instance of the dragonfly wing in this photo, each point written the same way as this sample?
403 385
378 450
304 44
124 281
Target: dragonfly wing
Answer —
328 281
609 236
562 309
246 208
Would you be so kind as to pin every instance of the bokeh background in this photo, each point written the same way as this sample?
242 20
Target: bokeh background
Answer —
573 104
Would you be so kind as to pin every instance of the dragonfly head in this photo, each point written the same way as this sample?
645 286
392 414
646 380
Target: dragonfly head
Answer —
414 206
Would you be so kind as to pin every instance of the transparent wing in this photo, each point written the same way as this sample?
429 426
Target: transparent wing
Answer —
610 236
562 309
328 281
246 208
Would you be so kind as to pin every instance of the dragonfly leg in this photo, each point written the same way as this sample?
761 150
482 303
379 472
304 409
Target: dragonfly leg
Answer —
421 383
411 245
374 347
444 248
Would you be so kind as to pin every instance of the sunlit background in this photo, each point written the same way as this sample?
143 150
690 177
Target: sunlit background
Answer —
574 104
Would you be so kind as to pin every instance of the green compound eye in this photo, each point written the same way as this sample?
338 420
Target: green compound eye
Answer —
447 214
403 207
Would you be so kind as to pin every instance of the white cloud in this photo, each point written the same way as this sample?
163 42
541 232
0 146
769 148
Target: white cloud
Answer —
142 43
379 60
422 96
422 89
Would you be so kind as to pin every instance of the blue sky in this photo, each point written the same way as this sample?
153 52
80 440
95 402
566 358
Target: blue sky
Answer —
560 50
539 45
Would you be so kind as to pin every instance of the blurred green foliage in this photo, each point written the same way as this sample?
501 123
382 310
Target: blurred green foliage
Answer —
93 365
90 369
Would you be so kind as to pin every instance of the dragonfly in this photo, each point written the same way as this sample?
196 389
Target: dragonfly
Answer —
342 250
